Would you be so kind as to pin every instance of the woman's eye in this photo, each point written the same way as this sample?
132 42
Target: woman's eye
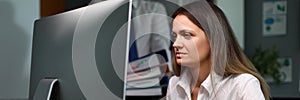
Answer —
187 35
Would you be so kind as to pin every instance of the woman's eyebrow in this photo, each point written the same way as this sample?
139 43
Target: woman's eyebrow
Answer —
182 31
185 30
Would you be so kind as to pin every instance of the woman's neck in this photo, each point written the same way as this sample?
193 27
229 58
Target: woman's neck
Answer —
199 73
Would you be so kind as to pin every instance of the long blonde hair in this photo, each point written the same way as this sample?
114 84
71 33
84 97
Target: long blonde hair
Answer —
235 59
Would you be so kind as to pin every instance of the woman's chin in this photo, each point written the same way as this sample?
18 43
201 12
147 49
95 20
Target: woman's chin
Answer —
183 63
186 63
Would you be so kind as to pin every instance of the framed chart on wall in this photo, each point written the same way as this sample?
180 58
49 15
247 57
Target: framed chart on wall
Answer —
274 18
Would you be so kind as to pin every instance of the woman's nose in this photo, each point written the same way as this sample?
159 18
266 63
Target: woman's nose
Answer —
177 44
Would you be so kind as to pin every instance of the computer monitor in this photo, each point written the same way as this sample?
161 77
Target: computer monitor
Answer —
85 49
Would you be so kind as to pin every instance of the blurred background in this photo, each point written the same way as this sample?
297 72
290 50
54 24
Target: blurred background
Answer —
267 30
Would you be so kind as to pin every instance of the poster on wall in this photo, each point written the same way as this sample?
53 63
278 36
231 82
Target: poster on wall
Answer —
285 71
274 18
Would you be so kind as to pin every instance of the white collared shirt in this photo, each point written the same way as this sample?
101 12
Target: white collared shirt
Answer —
233 87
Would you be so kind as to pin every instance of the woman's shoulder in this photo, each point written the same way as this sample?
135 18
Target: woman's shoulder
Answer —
248 86
246 81
240 81
244 77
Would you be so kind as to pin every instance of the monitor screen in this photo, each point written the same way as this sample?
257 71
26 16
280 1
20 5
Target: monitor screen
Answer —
85 49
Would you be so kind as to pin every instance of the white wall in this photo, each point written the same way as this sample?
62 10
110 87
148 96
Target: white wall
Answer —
16 28
234 11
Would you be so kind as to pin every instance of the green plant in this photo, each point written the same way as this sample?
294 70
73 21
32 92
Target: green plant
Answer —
266 63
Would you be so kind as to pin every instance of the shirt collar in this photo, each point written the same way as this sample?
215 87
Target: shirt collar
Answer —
184 82
210 84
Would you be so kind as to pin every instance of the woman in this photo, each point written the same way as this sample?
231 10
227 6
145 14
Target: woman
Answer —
207 60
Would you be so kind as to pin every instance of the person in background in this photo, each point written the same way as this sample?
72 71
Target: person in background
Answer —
207 61
150 27
149 35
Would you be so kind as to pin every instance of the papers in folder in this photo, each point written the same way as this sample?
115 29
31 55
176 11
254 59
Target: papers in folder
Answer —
144 75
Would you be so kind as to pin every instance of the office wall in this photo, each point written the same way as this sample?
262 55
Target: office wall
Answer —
234 11
16 28
288 45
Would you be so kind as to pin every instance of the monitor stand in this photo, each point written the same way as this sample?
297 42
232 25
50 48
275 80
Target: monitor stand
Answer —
47 89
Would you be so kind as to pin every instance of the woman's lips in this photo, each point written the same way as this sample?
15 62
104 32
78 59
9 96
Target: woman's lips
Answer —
180 54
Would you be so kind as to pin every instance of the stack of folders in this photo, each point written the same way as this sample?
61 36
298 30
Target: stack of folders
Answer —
144 76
